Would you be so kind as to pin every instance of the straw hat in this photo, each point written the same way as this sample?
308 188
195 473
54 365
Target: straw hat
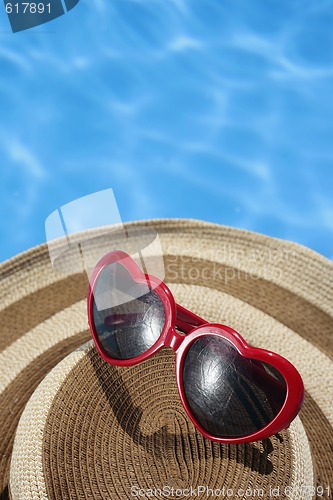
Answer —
85 429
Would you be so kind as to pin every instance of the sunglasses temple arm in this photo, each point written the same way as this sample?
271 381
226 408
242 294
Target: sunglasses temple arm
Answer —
275 390
186 320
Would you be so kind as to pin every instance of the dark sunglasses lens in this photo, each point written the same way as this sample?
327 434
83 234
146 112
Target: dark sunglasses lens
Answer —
230 396
128 316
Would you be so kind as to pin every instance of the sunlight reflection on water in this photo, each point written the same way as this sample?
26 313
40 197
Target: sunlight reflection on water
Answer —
204 109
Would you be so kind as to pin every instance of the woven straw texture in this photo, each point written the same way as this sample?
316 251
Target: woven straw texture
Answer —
85 429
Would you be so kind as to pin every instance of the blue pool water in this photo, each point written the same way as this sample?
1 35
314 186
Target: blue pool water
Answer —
212 109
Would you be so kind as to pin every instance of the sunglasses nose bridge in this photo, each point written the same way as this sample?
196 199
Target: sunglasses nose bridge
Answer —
173 339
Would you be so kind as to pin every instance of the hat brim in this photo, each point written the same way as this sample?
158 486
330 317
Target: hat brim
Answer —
96 431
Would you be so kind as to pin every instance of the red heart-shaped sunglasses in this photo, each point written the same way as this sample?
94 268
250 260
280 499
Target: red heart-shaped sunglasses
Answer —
231 391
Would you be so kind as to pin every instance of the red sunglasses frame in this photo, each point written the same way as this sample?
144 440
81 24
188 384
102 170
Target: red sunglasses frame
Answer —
196 327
